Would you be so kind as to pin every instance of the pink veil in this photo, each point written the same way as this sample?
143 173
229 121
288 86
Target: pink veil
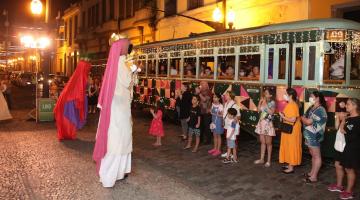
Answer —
106 95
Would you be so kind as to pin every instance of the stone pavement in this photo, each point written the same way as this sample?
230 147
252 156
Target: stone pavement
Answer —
34 165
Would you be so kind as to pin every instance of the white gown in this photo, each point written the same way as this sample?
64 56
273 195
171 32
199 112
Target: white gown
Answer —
4 110
117 161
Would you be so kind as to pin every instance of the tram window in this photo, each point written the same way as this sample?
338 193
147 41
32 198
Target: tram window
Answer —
175 67
334 64
163 67
299 63
226 67
282 64
189 67
151 67
207 67
311 68
270 63
355 66
249 67
141 64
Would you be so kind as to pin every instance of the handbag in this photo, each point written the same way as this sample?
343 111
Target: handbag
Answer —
286 128
340 142
212 126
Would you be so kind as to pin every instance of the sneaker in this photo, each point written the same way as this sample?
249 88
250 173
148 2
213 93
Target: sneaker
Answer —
216 153
346 195
226 161
211 151
234 161
335 188
224 155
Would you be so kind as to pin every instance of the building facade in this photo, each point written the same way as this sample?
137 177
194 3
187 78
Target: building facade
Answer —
67 51
157 20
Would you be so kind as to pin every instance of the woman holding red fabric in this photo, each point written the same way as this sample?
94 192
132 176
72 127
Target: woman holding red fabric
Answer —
71 108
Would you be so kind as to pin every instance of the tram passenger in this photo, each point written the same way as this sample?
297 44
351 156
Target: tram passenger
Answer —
173 71
290 144
349 158
230 71
255 72
163 70
314 122
208 72
265 127
337 69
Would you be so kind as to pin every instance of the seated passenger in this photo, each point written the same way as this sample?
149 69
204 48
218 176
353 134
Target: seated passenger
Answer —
242 73
208 71
189 73
202 70
162 70
337 69
354 74
173 71
230 71
255 72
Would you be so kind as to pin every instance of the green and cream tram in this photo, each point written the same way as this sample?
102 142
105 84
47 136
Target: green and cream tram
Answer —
306 55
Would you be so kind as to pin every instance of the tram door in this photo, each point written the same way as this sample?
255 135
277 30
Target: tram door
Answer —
277 63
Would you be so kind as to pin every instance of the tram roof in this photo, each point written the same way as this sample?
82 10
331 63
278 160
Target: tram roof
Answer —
314 24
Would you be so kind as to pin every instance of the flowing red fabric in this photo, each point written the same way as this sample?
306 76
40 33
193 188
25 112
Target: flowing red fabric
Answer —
75 90
107 91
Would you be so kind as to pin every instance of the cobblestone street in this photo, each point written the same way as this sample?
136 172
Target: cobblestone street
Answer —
34 165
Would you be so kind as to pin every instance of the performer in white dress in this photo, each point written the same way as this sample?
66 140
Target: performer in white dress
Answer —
113 145
4 110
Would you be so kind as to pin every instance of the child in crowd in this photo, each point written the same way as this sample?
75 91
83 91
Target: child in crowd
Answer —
156 128
194 123
216 125
231 134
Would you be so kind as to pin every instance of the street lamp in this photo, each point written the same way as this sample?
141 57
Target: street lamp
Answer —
36 7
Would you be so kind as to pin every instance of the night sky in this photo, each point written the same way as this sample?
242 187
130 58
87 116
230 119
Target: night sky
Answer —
19 10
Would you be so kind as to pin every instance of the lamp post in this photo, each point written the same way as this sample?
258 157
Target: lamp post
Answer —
7 24
224 16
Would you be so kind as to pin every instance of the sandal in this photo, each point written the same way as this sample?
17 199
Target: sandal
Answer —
186 148
256 162
306 175
267 164
309 181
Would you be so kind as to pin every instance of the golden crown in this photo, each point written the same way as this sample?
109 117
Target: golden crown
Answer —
115 37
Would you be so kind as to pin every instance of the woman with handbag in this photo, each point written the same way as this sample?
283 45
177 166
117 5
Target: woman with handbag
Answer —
314 122
348 159
290 144
265 127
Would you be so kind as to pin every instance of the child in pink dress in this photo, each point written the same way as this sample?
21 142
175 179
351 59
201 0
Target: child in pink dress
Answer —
156 128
